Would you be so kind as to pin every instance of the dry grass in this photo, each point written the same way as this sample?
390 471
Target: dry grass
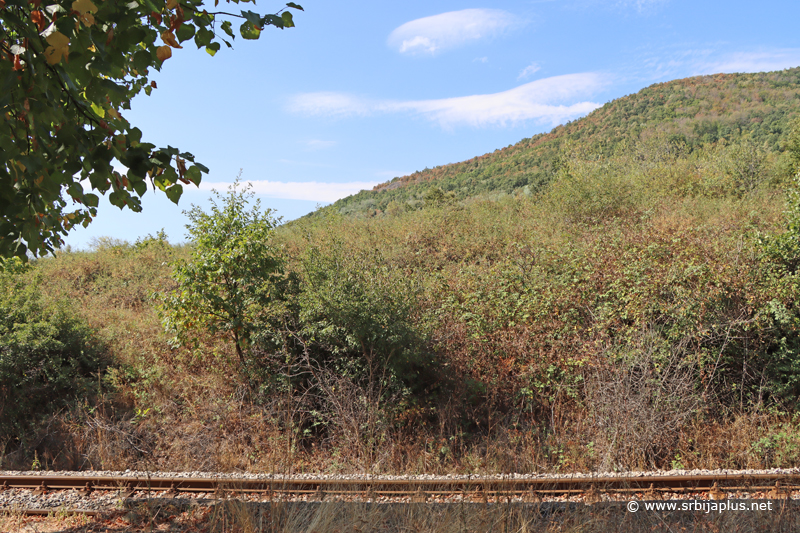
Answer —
238 517
630 341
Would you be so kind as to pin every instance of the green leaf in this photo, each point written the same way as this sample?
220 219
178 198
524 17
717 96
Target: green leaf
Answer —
249 31
91 200
185 32
212 49
295 6
174 193
254 18
287 19
203 37
273 20
117 198
226 27
193 174
140 187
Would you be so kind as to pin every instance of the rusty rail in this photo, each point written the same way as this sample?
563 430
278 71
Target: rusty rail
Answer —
562 485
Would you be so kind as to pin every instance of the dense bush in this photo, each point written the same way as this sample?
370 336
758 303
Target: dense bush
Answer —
48 358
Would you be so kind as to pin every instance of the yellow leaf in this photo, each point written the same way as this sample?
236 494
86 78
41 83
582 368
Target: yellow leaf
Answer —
163 53
113 112
84 6
169 38
99 110
59 46
172 4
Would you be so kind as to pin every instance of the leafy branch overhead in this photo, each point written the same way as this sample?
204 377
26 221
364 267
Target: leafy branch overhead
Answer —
68 71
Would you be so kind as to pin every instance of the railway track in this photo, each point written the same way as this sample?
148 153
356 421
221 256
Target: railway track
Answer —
472 489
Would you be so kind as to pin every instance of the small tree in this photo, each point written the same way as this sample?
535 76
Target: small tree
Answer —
233 283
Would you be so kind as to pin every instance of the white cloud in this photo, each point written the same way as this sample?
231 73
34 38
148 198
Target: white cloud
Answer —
529 71
481 60
314 191
430 35
552 100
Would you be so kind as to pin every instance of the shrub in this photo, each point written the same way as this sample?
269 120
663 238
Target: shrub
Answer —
233 284
47 356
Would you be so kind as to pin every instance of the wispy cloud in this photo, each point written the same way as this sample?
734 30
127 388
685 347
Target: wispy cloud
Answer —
314 191
640 5
434 34
754 61
549 100
643 7
330 104
318 144
391 174
305 163
677 63
483 59
529 71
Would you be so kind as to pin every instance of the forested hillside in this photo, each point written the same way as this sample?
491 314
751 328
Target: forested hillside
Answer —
695 111
630 301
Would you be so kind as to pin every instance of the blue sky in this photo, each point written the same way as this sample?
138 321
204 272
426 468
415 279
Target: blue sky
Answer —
361 92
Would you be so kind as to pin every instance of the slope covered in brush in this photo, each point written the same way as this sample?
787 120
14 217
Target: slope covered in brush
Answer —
697 111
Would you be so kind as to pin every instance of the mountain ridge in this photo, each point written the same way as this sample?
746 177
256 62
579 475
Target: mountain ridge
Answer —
697 110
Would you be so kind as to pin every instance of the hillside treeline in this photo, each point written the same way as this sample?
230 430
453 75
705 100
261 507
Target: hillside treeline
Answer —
640 310
694 111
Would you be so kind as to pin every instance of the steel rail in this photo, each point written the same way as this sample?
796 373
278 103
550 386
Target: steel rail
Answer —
562 485
476 489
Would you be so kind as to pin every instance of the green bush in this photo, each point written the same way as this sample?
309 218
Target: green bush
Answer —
234 283
47 356
359 314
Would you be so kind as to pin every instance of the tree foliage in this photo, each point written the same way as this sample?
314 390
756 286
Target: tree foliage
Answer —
233 283
68 69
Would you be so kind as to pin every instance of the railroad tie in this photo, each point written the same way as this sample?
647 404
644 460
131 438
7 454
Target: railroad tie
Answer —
592 496
778 492
651 493
419 497
41 489
87 489
716 493
533 496
319 495
127 491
